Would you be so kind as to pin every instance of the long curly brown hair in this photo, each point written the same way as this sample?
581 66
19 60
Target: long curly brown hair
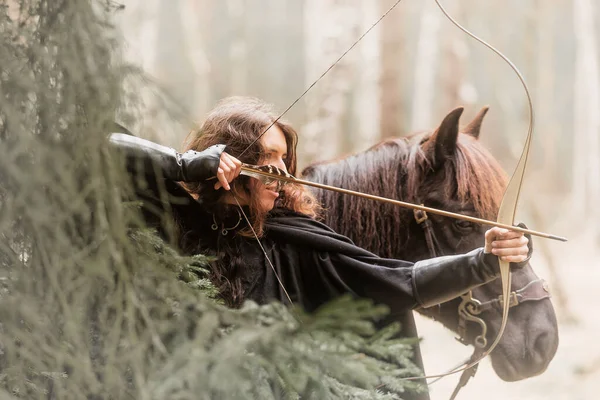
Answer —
237 122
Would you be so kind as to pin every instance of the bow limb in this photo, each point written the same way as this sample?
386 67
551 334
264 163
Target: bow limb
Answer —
506 215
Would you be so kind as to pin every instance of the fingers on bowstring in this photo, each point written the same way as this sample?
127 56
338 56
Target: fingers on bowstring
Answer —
221 176
229 169
231 166
235 164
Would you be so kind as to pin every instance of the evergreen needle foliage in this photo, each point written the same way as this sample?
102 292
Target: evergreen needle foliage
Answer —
95 306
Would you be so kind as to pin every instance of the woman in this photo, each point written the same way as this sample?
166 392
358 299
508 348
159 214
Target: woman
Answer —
284 254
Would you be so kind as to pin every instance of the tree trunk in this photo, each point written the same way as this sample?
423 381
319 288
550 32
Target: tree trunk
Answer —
328 102
426 65
455 89
586 130
393 63
366 94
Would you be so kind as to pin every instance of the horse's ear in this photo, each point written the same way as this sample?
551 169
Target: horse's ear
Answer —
475 125
442 143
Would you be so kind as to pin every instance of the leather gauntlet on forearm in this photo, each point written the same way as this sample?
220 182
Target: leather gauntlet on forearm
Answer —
440 279
191 166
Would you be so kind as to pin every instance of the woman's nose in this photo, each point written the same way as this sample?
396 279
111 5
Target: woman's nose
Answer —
281 165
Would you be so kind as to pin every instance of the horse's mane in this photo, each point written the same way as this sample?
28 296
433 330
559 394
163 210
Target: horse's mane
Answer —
396 168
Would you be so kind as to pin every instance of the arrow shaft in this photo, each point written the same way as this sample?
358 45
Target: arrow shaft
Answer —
253 172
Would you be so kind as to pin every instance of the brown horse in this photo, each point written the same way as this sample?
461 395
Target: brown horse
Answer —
452 171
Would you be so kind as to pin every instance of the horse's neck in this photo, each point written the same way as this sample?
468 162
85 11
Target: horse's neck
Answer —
378 227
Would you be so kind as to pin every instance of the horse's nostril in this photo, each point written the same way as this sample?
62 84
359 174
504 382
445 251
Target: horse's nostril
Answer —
542 352
545 346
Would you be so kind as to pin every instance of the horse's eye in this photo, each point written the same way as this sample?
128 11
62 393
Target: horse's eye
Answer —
463 226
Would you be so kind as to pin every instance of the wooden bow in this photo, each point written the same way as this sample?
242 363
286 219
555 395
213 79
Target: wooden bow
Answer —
508 206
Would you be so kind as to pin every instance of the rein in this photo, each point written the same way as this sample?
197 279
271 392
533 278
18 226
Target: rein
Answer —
470 308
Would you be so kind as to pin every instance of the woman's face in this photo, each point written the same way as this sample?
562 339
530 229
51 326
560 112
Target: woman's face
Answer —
275 147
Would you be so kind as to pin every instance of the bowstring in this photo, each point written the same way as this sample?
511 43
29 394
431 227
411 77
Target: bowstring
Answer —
263 250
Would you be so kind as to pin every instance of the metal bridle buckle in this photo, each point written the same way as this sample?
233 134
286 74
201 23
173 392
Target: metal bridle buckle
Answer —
420 216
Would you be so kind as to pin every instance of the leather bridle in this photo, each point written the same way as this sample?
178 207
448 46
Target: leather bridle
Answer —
470 308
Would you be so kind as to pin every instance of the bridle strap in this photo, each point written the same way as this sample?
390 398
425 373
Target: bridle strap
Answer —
424 221
534 291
